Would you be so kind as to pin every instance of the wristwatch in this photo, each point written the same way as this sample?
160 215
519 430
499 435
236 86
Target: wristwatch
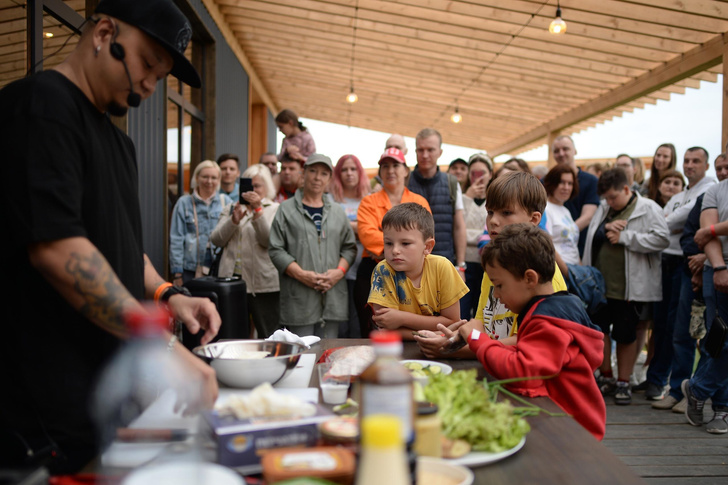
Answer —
174 290
463 266
720 268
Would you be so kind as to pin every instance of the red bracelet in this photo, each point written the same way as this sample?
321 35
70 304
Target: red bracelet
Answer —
342 269
259 209
712 231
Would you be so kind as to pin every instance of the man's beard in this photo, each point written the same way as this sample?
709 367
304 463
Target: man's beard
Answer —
115 109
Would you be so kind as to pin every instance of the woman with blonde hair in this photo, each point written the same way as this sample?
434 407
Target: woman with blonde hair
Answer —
243 231
193 218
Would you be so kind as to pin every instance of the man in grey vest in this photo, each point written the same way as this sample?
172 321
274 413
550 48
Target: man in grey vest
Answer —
444 195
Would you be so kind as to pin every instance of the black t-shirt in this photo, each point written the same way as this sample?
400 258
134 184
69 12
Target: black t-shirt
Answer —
67 172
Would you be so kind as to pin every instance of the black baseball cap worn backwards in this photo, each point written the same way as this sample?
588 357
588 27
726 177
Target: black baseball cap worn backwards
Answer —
163 21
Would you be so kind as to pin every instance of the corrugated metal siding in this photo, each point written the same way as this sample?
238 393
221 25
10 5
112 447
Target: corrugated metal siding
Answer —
231 95
147 129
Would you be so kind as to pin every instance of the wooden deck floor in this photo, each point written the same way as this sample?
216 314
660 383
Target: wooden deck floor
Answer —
662 447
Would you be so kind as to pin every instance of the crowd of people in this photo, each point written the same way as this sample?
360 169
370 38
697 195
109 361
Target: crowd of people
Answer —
646 257
620 241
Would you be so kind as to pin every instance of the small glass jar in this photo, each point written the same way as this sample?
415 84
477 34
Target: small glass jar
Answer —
428 440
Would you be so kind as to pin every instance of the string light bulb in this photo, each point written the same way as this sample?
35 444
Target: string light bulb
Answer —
47 35
456 116
557 26
352 97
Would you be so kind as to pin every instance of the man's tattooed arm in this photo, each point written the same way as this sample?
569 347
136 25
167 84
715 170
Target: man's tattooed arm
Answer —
81 274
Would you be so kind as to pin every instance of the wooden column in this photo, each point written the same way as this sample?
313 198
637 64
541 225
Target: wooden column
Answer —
549 143
724 123
258 136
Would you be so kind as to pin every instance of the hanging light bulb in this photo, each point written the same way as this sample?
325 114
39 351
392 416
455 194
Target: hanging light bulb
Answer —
352 97
558 26
456 116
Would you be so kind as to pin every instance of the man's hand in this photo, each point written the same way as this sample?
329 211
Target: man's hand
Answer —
388 318
192 399
696 262
720 280
196 314
702 236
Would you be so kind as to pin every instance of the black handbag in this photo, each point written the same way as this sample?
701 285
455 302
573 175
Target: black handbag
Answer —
715 339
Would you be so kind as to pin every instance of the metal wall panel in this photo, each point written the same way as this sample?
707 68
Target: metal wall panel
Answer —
147 128
231 95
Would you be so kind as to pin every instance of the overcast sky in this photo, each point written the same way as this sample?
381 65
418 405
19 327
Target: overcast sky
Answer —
692 119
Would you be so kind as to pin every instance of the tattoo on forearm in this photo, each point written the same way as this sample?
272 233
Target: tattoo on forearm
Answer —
98 285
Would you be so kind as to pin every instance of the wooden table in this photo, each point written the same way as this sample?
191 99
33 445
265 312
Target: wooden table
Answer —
557 450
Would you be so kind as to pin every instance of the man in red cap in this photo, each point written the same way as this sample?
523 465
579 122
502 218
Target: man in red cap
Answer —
75 249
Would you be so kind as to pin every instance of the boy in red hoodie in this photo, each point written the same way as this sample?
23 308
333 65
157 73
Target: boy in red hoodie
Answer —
556 340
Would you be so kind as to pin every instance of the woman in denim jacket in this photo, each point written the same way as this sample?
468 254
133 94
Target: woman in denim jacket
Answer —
194 217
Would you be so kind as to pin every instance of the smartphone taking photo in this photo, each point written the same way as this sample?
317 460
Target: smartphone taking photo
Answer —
246 185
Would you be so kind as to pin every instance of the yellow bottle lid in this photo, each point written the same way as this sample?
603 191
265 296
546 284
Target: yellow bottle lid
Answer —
381 431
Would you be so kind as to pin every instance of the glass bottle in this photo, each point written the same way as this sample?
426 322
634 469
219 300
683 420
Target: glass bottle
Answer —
382 456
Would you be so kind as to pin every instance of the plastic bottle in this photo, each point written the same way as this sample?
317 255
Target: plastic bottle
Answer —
382 453
142 369
386 385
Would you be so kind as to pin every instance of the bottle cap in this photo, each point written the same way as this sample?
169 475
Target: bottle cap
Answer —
385 337
148 320
381 431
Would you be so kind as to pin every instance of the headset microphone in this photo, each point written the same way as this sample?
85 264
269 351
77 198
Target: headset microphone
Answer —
118 53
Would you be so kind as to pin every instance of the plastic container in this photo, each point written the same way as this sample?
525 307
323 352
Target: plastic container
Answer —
383 459
324 462
386 385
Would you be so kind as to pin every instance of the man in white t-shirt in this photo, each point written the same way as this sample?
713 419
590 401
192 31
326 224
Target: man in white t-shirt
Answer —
695 166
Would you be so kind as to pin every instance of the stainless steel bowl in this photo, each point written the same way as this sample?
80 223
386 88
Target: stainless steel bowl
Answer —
235 370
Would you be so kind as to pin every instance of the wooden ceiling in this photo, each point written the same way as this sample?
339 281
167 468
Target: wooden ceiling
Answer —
414 61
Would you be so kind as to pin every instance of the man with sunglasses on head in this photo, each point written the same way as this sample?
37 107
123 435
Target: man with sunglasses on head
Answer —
74 248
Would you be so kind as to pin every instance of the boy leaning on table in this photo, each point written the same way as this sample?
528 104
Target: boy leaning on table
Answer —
557 343
413 290
511 198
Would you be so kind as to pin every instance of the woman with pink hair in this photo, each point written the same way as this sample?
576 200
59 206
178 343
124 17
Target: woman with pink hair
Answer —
349 184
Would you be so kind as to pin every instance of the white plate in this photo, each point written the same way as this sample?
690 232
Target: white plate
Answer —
478 458
444 468
446 369
176 473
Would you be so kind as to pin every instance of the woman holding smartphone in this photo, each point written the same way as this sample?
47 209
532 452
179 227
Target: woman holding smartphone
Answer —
480 170
242 232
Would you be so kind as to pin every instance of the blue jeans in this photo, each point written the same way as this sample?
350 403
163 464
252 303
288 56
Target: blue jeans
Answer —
664 319
683 345
711 377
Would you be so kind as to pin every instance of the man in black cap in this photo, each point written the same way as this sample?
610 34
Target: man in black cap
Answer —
73 253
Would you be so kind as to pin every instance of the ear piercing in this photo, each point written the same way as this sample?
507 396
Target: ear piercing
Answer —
97 50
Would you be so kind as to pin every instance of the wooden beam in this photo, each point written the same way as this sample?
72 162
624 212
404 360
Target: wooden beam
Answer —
239 53
695 60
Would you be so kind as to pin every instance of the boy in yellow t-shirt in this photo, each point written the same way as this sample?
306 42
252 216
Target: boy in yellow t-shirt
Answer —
511 198
412 289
